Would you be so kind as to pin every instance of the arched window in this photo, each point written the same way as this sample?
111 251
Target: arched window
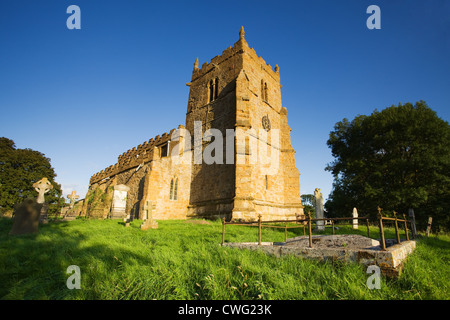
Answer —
175 193
216 91
267 183
211 90
173 189
266 97
262 89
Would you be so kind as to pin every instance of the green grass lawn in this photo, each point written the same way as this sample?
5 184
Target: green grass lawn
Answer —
182 260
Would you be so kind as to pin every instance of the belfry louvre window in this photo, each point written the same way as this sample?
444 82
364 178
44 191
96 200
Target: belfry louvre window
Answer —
264 91
266 98
213 89
216 88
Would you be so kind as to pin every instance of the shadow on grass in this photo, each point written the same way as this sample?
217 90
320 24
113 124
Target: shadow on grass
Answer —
34 266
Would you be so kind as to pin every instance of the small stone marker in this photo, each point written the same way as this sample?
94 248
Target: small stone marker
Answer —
430 220
149 223
318 203
412 217
119 203
127 220
42 187
355 221
26 217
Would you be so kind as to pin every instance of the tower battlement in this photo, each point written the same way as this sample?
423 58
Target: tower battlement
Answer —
239 47
134 157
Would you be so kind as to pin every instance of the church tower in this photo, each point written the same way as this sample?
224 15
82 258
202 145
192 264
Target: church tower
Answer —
237 92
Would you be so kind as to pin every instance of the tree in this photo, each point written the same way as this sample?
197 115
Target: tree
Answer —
19 169
308 204
398 158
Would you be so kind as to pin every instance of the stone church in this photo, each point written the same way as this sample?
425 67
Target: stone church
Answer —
235 92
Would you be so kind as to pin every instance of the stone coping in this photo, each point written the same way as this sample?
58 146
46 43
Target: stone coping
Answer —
389 261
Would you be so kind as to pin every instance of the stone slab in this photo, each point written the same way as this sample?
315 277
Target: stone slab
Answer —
390 261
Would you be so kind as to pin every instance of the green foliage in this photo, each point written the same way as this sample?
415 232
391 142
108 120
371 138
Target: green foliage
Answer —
99 198
182 260
19 169
398 158
308 203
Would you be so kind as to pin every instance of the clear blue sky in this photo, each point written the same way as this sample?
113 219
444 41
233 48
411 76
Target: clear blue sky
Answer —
82 97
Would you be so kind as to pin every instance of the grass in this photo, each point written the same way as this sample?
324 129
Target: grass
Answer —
183 260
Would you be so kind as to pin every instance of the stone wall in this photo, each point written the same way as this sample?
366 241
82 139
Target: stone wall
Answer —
213 186
271 189
236 90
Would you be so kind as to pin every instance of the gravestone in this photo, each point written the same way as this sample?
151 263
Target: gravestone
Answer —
318 203
355 221
412 217
63 211
42 187
149 223
43 217
430 221
71 213
119 202
26 217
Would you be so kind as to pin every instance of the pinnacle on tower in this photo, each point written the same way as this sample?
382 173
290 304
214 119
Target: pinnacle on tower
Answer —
196 64
242 33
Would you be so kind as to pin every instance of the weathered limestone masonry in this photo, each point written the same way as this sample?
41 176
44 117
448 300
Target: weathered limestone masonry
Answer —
148 171
235 91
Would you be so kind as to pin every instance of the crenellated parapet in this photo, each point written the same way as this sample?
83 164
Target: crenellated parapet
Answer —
143 153
240 46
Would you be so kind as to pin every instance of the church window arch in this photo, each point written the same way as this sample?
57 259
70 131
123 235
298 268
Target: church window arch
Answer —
211 90
173 189
175 192
216 88
266 98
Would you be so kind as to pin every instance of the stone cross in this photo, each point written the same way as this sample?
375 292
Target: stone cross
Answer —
318 203
149 223
73 196
355 221
148 209
42 187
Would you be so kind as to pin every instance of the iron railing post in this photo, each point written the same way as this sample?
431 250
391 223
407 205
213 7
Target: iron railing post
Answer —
259 230
397 234
406 227
310 229
223 230
380 224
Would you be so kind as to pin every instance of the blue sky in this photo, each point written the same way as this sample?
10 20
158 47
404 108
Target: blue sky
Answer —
82 97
